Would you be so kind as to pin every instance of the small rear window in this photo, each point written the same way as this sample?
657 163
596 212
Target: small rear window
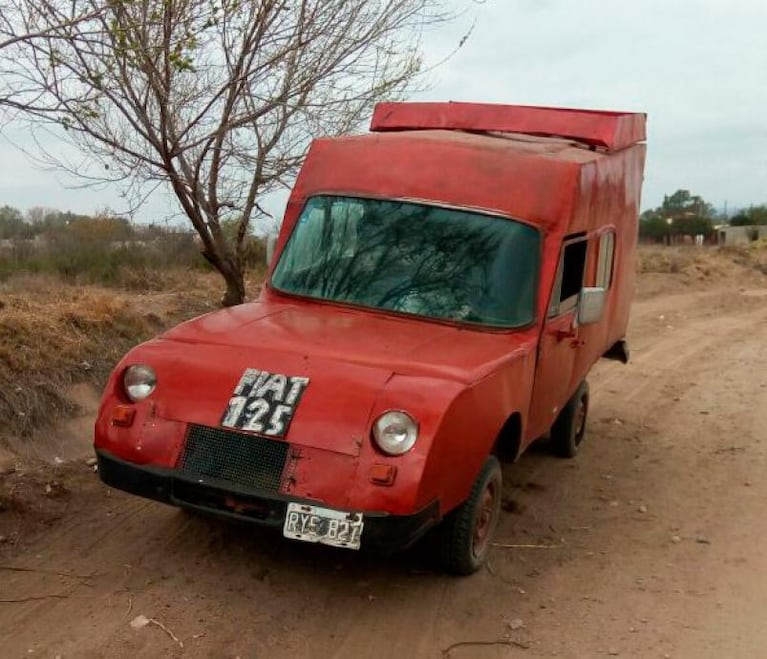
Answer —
605 260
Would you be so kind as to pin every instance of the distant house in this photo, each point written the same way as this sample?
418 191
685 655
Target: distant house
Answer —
727 235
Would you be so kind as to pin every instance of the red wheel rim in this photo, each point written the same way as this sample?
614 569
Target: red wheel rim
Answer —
485 521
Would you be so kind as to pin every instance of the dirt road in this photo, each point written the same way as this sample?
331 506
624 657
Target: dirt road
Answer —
655 539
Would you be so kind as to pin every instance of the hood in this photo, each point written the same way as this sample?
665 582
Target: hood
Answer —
308 373
403 345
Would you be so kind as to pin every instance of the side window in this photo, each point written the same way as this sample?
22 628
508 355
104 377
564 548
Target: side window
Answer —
605 260
569 280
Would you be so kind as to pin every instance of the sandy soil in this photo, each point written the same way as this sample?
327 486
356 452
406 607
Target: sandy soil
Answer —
653 539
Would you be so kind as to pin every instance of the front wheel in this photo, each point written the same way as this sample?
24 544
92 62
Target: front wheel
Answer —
569 429
467 532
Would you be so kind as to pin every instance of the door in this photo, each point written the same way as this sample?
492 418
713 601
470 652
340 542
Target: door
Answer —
559 340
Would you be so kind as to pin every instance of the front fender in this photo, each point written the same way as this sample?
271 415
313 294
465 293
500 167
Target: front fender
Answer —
470 427
426 399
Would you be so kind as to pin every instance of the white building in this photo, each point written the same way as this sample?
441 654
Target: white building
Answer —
727 235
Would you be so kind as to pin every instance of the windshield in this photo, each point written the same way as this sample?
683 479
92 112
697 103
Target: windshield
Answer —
424 260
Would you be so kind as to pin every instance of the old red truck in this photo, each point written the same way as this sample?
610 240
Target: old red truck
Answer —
438 292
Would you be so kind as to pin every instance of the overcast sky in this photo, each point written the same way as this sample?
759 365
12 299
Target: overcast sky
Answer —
698 68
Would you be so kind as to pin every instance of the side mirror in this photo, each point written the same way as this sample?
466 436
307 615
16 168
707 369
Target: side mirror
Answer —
271 242
591 305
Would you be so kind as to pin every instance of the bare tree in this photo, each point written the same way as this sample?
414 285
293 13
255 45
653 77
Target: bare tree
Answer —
217 99
15 29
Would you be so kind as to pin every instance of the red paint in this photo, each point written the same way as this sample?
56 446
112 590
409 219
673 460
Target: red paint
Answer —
462 384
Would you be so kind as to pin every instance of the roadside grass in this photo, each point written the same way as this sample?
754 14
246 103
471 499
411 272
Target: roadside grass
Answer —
753 255
701 263
53 335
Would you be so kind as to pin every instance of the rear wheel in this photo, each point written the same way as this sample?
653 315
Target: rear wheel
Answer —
467 532
569 429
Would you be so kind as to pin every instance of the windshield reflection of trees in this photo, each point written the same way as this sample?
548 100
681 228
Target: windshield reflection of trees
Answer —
402 256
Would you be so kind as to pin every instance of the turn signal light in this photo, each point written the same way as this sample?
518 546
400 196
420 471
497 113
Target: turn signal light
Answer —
122 415
382 474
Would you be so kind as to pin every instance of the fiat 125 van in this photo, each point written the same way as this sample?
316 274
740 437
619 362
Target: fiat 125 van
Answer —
439 290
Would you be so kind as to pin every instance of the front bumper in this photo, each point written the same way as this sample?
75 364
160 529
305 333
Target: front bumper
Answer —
382 530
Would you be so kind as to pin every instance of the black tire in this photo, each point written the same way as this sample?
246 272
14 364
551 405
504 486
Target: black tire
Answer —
462 550
569 429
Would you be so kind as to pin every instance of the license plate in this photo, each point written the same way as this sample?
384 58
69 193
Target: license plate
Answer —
323 525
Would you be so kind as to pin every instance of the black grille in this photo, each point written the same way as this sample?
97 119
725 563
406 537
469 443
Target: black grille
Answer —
246 460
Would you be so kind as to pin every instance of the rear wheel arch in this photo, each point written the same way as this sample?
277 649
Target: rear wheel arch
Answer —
509 440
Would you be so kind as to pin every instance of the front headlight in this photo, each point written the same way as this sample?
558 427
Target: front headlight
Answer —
395 432
139 381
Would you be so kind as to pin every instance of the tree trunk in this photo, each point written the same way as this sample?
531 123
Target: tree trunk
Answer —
235 286
233 275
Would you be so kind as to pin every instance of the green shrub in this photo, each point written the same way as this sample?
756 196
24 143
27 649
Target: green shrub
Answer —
93 251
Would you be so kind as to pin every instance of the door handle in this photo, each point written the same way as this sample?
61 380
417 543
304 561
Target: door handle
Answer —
565 334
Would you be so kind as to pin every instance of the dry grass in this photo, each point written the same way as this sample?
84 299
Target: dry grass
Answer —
53 335
704 262
666 270
753 255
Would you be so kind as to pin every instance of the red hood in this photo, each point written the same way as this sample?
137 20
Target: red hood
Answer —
348 357
406 346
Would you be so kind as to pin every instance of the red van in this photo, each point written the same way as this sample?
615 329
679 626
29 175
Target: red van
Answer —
437 295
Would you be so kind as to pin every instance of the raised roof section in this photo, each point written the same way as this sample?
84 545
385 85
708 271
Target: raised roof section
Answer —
602 129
